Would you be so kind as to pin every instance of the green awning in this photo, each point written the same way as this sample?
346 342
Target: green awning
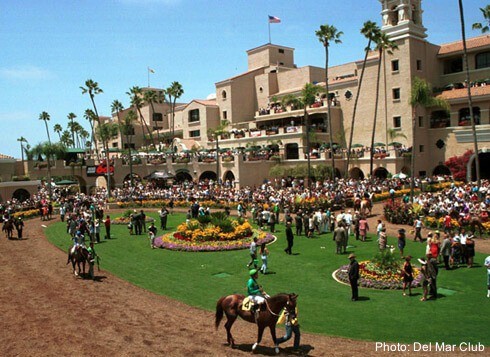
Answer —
75 151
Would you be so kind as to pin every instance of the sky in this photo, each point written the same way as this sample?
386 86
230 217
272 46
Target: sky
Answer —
49 48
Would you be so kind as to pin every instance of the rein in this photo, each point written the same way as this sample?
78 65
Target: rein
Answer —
269 309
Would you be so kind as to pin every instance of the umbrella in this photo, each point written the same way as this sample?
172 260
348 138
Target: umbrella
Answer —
357 146
395 143
379 144
400 175
66 182
158 175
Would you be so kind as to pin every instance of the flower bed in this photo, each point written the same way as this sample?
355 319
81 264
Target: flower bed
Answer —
374 277
174 241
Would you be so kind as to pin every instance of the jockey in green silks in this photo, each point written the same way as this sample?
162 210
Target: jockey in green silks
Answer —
255 291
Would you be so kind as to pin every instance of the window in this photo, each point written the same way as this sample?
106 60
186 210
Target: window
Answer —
225 115
397 122
439 119
194 133
114 145
223 94
421 122
395 66
193 115
396 93
419 65
281 50
453 65
126 146
465 118
482 60
421 148
261 89
157 117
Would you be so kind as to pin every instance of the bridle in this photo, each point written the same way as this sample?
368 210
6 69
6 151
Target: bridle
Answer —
288 307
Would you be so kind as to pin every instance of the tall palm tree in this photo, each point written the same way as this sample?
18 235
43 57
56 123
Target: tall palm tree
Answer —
66 139
307 98
127 129
92 88
89 115
22 140
135 94
215 133
44 116
117 107
486 13
106 132
485 27
57 128
174 92
421 96
383 44
152 97
370 30
71 117
327 34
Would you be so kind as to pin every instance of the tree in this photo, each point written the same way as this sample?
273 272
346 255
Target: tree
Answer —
383 44
58 129
327 34
458 165
215 133
117 107
66 139
308 96
135 94
420 96
394 134
106 132
485 27
92 88
22 140
90 116
44 116
127 130
370 30
152 97
71 117
486 15
174 92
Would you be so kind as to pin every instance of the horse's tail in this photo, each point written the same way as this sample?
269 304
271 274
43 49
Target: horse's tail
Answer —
219 312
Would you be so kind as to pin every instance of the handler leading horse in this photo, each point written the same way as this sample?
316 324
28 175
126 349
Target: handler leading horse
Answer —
231 306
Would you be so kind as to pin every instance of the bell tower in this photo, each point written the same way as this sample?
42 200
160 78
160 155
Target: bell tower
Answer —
402 18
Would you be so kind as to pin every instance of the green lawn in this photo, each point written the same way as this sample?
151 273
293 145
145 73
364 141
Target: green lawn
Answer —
199 279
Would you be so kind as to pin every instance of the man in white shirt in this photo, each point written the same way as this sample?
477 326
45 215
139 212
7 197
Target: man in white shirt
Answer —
487 264
348 222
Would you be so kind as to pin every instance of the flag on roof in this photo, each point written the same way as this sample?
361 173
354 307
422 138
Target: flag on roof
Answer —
151 70
274 19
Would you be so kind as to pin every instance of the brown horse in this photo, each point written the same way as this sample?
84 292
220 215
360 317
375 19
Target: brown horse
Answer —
268 315
79 256
8 228
366 205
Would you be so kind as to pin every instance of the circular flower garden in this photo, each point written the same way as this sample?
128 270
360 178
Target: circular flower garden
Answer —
382 272
215 232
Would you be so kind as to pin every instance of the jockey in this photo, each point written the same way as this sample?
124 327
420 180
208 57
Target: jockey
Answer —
255 291
78 241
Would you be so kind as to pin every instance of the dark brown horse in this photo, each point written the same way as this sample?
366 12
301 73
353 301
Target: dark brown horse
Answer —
270 310
8 228
78 256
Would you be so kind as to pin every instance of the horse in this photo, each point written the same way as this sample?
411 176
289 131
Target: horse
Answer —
79 255
8 228
268 315
476 222
366 205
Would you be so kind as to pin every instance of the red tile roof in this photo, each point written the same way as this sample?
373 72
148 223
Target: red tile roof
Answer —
2 156
463 92
471 43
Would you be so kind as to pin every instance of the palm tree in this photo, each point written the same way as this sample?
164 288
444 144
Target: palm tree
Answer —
174 92
117 107
127 130
45 117
90 116
421 96
370 30
106 132
58 129
394 133
485 27
308 96
327 34
92 88
135 94
71 117
22 140
486 15
383 44
152 97
215 133
66 139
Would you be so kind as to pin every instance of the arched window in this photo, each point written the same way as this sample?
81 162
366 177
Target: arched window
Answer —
464 116
223 94
439 119
482 60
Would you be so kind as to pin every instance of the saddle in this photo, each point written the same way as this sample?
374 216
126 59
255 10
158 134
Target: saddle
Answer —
247 304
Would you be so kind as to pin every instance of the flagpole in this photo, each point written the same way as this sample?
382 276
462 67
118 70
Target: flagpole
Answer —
269 22
148 69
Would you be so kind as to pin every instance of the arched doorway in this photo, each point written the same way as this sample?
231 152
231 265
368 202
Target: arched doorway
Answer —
337 173
292 151
229 176
381 173
183 176
21 194
356 174
441 170
208 175
484 158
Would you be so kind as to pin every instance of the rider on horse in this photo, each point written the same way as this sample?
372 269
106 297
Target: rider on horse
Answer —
255 291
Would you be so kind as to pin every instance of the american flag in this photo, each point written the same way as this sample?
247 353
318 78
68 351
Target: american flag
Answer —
274 19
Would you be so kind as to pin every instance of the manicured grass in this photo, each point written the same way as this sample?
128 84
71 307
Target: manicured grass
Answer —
199 279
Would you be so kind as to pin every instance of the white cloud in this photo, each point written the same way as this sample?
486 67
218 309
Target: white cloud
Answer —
25 72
